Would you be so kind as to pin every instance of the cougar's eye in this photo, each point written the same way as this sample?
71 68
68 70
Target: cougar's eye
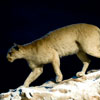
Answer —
16 48
10 53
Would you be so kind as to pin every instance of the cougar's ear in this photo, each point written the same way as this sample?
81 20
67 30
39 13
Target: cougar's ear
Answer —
16 47
14 44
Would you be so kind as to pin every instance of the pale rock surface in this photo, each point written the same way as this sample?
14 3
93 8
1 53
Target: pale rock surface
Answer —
84 88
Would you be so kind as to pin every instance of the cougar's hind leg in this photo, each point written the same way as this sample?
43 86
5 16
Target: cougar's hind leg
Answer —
85 60
95 51
91 45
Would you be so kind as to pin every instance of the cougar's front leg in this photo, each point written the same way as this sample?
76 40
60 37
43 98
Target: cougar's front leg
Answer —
33 76
56 66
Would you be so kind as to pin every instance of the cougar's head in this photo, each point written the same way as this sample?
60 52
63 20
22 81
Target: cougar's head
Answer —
15 52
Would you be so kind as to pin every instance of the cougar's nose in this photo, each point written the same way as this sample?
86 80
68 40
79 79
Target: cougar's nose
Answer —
9 59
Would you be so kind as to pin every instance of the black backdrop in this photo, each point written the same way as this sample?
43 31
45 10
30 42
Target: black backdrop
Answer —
22 21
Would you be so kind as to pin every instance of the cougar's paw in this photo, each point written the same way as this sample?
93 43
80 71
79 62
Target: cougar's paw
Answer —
59 78
80 74
26 84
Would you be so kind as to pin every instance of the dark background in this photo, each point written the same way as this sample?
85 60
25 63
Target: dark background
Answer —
23 21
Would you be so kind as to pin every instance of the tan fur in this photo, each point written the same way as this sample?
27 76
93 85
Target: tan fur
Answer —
79 39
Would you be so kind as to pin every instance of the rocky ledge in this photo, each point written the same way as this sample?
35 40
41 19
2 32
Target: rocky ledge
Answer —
84 88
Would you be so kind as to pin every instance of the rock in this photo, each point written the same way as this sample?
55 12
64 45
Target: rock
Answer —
83 88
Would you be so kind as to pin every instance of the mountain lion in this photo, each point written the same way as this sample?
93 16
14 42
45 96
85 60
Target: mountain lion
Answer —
79 39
